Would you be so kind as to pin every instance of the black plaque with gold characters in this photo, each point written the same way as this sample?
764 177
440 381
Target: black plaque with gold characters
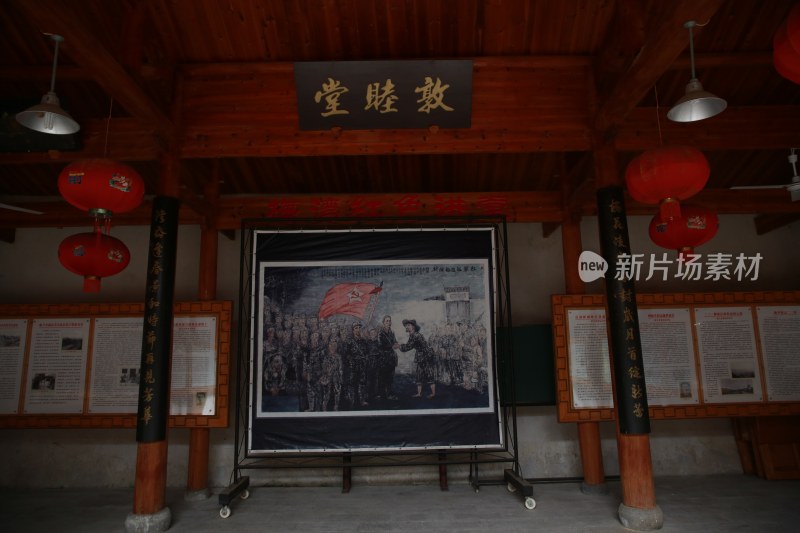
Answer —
626 345
384 94
153 409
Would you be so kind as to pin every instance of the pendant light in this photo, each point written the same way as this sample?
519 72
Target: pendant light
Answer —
48 117
696 104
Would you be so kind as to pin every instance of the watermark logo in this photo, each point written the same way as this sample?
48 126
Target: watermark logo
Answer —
690 267
591 266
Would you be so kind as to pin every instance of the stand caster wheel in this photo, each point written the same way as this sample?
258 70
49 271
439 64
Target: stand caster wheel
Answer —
530 503
244 494
511 487
225 512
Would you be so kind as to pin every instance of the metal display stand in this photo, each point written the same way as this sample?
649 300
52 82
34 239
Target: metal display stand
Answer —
348 459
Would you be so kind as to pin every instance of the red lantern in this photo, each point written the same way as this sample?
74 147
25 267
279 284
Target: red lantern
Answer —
101 186
665 175
694 227
93 255
793 27
786 47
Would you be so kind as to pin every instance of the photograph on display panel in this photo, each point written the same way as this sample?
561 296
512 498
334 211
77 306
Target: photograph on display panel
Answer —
373 352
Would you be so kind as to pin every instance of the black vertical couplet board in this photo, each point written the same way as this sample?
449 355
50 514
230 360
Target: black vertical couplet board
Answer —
623 318
153 411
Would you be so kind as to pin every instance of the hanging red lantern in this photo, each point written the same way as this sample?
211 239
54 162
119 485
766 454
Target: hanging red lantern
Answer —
694 227
93 255
666 175
101 186
786 47
793 27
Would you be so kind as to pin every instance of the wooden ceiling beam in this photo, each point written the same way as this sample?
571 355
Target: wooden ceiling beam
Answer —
78 73
87 52
60 214
737 128
721 201
517 206
126 139
663 46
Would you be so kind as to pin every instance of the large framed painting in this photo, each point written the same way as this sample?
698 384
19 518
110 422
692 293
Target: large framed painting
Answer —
372 340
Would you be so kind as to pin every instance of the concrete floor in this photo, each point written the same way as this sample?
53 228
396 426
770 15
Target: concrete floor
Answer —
689 504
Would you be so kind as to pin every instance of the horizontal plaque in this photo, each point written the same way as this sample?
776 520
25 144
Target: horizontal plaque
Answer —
384 94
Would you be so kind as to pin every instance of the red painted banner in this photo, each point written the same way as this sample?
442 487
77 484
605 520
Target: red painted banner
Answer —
348 299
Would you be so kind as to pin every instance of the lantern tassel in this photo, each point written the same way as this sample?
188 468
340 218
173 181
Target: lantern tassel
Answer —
102 224
670 209
91 284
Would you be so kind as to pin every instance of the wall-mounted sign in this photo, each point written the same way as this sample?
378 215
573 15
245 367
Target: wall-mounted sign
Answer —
384 94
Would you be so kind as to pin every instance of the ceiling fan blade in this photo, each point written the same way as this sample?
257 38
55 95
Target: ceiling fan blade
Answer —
21 209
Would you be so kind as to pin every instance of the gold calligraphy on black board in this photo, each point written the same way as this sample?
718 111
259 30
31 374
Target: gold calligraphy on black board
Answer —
623 322
384 94
157 334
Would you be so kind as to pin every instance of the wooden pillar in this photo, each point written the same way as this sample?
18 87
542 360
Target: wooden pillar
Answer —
588 432
150 513
638 509
151 478
636 471
197 480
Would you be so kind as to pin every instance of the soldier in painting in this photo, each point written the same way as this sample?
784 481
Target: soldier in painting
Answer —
373 363
312 368
424 358
330 376
474 368
356 350
387 359
275 375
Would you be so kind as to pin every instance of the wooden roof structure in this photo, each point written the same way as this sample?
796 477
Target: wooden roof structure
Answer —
211 84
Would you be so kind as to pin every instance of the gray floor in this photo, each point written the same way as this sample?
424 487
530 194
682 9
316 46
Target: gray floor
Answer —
701 504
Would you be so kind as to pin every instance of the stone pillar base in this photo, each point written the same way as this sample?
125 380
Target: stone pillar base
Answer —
598 489
641 519
149 523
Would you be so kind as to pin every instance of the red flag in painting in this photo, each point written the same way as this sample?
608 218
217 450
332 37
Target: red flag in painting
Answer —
347 299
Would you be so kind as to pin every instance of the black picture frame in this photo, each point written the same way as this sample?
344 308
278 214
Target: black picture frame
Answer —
434 276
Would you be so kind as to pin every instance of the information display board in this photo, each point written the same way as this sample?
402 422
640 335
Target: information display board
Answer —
779 333
79 365
704 355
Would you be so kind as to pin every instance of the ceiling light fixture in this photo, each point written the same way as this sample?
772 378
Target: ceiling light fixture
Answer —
48 117
696 104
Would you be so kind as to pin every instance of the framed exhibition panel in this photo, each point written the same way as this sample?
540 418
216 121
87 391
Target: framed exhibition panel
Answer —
373 339
78 365
704 355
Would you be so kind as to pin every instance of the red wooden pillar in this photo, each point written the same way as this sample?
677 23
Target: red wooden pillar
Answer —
638 509
636 472
588 432
150 513
197 480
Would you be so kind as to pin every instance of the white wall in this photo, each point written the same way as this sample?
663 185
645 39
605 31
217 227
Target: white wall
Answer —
30 273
